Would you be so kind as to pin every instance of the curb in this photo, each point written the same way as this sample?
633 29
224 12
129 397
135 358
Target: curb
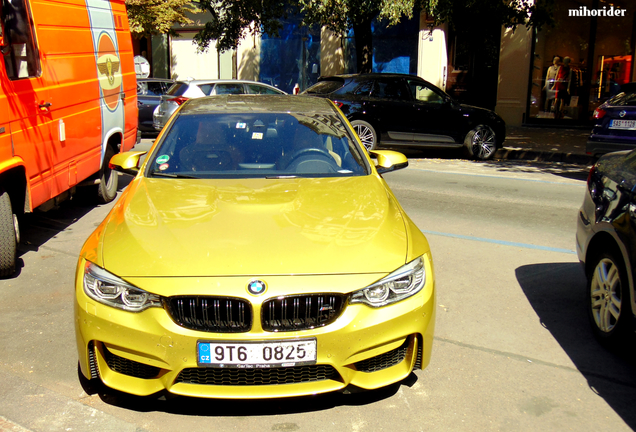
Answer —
544 156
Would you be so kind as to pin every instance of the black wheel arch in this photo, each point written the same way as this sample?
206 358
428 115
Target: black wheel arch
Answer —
14 183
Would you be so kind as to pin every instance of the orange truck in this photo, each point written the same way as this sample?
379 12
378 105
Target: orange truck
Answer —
68 103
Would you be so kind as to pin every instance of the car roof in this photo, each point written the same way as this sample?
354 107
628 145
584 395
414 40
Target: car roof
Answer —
225 81
258 103
154 80
218 81
369 75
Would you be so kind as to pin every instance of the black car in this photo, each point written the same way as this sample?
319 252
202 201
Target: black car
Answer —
606 245
405 110
149 91
615 127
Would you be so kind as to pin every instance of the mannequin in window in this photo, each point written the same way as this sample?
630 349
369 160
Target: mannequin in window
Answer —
562 85
550 83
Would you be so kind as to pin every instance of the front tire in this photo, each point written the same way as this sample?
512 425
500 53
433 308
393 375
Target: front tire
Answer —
608 302
367 134
9 236
481 143
108 179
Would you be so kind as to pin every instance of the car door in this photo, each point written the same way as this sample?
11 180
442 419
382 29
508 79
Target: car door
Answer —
438 121
391 107
148 97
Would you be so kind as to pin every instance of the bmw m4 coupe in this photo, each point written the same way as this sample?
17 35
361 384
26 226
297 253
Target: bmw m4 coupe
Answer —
257 253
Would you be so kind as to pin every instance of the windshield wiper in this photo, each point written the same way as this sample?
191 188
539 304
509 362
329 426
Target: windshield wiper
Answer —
171 175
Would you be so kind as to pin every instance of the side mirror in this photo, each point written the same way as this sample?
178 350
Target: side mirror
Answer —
389 160
4 49
127 163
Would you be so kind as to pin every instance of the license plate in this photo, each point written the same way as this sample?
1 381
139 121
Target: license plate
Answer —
623 124
256 354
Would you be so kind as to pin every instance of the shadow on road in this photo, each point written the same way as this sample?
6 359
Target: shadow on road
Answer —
561 169
260 407
570 171
37 228
557 293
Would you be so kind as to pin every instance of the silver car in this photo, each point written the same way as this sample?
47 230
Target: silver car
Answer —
181 91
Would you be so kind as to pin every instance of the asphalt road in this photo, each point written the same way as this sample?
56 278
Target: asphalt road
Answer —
513 350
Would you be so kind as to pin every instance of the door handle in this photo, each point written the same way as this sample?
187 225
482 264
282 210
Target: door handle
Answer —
44 106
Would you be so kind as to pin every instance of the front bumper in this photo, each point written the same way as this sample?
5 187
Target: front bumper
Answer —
147 352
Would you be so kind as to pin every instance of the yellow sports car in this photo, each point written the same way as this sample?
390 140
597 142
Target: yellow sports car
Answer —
257 253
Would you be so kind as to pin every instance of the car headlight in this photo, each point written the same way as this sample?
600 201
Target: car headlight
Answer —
110 290
402 283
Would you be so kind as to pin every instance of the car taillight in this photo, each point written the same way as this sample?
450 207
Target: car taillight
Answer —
599 113
590 174
178 100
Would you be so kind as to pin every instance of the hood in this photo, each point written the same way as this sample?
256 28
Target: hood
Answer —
175 227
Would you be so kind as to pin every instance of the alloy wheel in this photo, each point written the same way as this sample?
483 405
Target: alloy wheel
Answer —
606 295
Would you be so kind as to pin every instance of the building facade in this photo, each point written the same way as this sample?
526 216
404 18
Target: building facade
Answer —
556 75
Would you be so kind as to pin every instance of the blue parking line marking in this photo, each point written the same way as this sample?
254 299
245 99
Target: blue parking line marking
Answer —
501 242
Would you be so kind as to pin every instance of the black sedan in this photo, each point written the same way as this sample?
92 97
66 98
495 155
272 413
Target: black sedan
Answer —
149 91
615 127
606 246
405 110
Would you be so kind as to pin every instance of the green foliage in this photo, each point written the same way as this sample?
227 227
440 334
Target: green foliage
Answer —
148 17
341 15
474 13
231 20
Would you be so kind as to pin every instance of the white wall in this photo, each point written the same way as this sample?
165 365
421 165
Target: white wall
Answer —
432 62
186 62
514 67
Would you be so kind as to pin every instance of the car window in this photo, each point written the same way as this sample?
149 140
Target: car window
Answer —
259 89
21 56
223 145
206 88
325 87
623 99
390 89
221 89
356 88
142 88
423 93
177 89
154 88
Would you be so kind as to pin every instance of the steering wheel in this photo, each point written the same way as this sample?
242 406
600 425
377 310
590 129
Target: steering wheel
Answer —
306 151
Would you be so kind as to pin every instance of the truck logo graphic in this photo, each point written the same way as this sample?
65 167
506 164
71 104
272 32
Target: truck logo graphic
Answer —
109 67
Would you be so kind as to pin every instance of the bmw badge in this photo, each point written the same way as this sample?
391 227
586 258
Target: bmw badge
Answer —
256 287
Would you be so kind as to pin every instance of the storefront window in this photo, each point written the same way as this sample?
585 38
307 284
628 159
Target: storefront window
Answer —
291 58
581 61
394 47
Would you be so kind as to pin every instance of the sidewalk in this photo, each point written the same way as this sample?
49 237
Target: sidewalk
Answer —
546 145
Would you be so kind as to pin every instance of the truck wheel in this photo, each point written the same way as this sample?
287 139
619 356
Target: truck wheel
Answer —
108 179
8 236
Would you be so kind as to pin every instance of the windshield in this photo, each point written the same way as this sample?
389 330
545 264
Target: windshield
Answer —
231 145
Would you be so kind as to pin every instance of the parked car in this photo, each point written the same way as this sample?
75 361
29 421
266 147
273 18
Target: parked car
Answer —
181 91
615 127
149 91
405 110
606 245
257 253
